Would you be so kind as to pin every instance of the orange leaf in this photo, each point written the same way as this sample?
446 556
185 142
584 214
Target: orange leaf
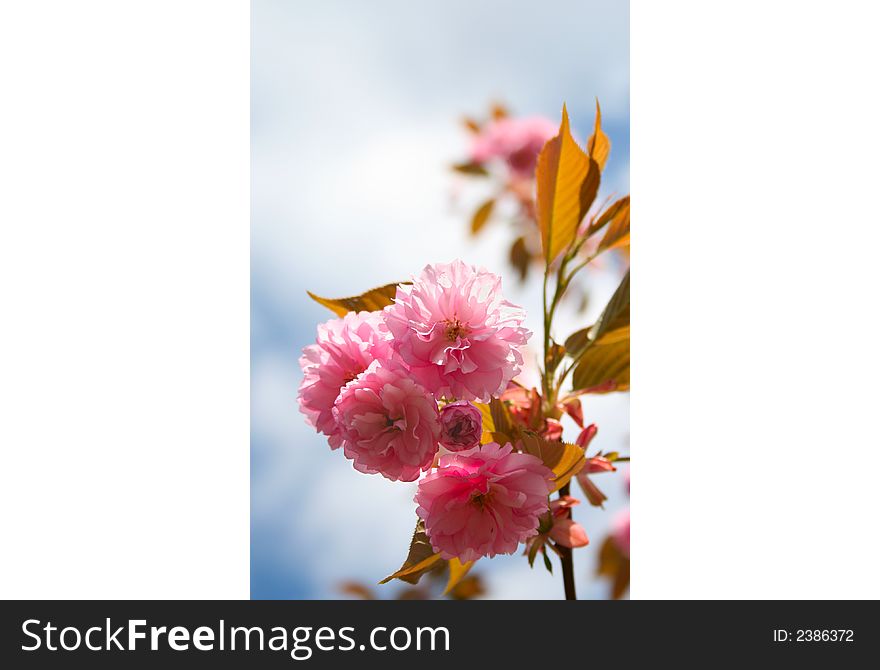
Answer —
565 460
457 572
617 209
604 367
371 301
567 182
471 124
617 234
481 216
599 146
420 559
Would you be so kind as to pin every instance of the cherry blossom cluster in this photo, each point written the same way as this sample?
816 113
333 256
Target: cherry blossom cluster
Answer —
393 388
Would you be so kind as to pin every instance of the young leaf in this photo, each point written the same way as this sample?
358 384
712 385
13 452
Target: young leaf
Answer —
473 169
486 412
616 312
604 367
599 146
519 257
547 563
468 588
471 124
498 111
611 326
501 419
420 559
617 234
577 342
457 572
565 460
481 216
533 551
554 357
567 182
619 209
497 423
357 590
613 564
371 301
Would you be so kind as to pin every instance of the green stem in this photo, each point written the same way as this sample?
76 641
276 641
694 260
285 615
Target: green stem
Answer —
550 391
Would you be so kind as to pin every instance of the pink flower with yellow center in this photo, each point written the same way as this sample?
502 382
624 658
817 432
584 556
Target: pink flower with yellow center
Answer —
343 350
456 333
389 424
483 502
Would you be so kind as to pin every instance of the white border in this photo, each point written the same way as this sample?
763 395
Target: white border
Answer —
124 368
755 324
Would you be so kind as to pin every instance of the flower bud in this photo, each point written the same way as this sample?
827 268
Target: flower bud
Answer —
461 426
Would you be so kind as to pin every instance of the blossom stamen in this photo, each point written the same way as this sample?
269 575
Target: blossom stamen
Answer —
455 329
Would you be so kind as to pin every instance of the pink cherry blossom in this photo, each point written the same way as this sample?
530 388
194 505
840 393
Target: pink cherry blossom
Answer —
389 423
566 531
620 531
517 141
483 502
457 334
343 350
461 425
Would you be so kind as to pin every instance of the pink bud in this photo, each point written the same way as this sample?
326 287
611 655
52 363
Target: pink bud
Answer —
599 464
569 533
572 407
566 532
461 426
552 430
587 435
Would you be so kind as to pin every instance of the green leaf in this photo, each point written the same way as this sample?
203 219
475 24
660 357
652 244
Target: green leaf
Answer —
567 182
371 301
533 551
565 460
419 560
481 216
547 563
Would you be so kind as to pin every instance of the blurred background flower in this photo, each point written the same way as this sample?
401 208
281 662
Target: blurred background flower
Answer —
355 121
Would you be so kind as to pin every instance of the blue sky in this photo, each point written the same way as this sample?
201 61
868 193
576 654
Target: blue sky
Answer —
355 110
